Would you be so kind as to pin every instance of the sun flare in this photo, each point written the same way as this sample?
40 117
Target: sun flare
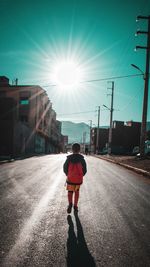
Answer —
67 74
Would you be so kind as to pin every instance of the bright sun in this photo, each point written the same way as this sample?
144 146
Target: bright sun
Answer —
67 74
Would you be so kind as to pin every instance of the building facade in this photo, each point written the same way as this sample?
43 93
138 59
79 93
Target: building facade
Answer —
28 122
125 136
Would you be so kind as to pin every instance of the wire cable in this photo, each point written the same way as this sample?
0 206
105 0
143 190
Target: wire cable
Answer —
76 113
102 79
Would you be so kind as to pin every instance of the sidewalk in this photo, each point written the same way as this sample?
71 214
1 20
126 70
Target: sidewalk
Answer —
130 162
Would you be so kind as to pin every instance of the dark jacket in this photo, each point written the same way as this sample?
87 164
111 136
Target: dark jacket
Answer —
78 160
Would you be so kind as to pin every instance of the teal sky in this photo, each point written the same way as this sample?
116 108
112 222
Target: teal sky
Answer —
99 35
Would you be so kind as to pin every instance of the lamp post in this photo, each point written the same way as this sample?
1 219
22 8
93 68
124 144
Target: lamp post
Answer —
136 67
146 81
90 134
111 120
97 136
110 131
144 114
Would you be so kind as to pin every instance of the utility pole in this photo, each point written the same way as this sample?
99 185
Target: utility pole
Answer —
146 81
84 140
98 124
90 134
111 119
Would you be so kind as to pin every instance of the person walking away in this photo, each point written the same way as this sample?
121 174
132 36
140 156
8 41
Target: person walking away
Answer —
74 168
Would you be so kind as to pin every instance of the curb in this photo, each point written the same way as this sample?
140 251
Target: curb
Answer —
6 161
139 171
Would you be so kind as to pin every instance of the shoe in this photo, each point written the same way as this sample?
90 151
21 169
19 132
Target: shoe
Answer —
69 208
75 209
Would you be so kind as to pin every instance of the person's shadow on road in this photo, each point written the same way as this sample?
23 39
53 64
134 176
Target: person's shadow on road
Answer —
78 254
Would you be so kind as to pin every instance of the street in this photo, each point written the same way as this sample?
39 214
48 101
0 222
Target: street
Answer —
112 227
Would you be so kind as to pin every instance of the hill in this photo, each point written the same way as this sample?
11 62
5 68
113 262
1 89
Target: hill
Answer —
76 131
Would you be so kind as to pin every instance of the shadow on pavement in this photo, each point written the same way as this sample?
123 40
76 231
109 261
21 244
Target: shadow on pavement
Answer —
78 254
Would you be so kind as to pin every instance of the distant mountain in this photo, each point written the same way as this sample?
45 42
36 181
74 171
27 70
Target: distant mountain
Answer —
76 131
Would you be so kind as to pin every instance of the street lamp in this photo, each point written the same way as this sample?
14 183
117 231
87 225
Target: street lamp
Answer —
98 124
144 114
106 107
146 84
111 119
110 130
90 134
136 67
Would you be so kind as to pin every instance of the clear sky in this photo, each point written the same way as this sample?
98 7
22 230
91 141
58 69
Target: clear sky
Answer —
98 36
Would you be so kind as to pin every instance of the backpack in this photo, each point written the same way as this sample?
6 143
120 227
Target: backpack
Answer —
75 172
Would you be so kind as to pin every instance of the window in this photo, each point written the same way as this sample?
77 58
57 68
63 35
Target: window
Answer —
24 101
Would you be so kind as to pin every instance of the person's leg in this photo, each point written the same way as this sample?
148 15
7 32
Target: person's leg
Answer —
76 198
70 195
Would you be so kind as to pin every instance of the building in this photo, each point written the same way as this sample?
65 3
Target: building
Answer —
64 143
125 136
28 122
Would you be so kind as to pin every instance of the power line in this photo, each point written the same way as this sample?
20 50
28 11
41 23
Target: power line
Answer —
112 78
90 111
76 113
103 79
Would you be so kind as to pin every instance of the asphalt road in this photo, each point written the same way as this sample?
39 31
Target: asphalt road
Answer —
112 227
